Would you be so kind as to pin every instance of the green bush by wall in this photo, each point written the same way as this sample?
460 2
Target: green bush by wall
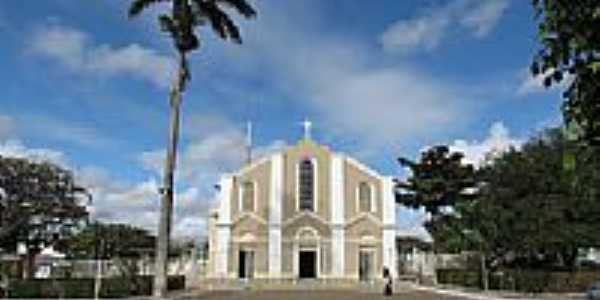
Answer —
528 281
115 287
466 278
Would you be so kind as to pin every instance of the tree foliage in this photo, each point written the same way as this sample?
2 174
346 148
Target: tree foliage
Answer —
108 240
39 202
186 15
543 210
569 35
533 207
438 180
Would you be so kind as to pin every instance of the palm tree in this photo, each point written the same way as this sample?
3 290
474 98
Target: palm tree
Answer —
183 17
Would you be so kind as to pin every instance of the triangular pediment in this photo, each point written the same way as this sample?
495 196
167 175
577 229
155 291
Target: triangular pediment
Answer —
306 220
249 217
364 217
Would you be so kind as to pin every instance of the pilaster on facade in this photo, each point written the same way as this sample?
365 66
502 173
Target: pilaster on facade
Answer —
389 225
275 217
338 245
223 226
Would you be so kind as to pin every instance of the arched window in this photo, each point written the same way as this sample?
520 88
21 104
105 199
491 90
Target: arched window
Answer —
248 196
306 184
365 197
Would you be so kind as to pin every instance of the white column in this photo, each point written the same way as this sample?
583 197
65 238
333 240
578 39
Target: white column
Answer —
389 225
337 215
222 259
275 202
223 225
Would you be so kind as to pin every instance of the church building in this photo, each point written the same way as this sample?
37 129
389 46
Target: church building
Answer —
304 212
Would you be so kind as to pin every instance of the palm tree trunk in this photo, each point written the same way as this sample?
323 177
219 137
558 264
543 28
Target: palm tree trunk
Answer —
166 208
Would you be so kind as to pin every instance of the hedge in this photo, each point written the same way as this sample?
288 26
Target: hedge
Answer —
466 278
11 268
114 287
530 281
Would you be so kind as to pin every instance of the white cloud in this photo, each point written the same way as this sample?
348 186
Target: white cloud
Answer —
7 127
426 31
61 130
388 104
423 32
215 147
75 50
15 148
115 200
345 87
498 141
139 203
484 17
202 160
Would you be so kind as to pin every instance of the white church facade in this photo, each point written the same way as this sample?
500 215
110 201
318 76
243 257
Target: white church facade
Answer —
304 212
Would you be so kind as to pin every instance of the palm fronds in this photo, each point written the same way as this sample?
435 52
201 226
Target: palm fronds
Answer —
220 22
140 5
241 6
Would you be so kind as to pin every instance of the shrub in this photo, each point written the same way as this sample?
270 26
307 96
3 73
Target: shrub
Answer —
466 278
528 281
531 281
114 287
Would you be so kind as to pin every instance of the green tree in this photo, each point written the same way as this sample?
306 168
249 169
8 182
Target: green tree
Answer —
569 34
543 211
438 181
40 204
180 23
447 189
109 240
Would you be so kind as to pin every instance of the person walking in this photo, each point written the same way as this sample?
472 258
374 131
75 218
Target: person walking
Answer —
388 282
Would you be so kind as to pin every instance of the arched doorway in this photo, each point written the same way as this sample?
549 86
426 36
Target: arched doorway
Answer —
246 256
307 250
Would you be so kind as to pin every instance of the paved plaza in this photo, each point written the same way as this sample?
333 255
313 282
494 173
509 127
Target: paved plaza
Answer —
320 295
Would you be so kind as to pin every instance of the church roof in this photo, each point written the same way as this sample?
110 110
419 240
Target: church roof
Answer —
266 157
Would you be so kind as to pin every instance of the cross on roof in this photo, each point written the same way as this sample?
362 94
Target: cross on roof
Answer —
307 128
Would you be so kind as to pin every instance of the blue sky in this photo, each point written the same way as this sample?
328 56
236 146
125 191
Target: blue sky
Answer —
86 87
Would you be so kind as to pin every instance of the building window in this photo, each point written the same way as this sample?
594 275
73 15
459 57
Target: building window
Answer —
365 197
248 196
306 185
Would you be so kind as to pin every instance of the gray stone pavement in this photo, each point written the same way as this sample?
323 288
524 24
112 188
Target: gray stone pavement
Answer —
495 295
316 295
406 291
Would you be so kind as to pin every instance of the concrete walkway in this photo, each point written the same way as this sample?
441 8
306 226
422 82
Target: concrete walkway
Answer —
403 290
494 295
